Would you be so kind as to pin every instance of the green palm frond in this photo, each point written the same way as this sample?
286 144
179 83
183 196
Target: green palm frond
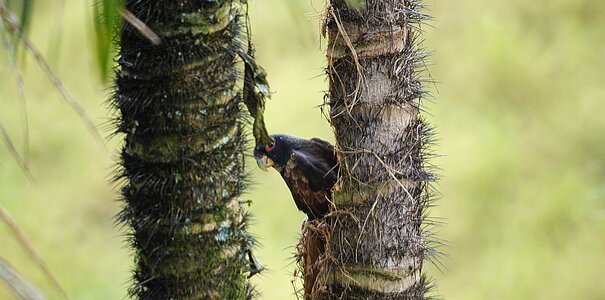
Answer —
26 13
22 8
107 21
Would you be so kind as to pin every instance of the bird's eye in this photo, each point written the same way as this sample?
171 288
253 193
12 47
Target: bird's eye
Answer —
269 147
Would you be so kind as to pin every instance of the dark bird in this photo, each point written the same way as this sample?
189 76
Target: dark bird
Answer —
308 167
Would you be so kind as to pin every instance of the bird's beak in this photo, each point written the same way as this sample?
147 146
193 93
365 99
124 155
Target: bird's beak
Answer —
264 162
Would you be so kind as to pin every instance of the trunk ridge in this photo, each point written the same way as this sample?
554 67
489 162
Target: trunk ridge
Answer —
379 234
183 157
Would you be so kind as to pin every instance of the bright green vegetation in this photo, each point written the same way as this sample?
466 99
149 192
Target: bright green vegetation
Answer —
519 111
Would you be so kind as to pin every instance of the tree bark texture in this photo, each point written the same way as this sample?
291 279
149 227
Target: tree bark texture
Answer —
183 156
379 237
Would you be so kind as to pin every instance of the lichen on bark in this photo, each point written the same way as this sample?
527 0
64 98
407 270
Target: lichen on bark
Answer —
183 156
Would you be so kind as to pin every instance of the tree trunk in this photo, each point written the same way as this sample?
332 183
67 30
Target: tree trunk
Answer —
378 240
183 155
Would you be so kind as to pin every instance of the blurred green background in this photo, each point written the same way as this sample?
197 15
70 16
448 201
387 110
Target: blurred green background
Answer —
520 113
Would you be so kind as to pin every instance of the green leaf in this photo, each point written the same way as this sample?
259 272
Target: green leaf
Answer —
22 8
26 13
107 22
255 90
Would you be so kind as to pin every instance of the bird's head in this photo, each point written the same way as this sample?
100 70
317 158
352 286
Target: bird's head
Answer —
275 154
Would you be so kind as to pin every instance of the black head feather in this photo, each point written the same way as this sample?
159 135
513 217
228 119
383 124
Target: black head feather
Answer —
280 150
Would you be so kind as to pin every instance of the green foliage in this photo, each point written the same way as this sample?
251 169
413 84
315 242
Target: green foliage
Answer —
520 118
255 93
107 23
24 9
255 88
26 12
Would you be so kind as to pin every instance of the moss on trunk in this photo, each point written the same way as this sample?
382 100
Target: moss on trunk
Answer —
184 147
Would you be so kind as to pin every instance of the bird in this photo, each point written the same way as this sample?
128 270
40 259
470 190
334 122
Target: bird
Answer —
309 168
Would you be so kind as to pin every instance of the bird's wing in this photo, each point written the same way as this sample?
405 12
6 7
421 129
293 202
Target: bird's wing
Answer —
313 204
310 177
326 148
317 162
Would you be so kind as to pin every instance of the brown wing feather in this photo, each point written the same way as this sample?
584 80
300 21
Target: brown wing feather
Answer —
313 203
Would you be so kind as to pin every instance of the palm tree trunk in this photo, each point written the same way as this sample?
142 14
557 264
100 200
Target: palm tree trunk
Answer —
184 151
378 241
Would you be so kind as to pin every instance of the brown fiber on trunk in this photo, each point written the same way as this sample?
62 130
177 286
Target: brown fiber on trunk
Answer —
314 245
379 234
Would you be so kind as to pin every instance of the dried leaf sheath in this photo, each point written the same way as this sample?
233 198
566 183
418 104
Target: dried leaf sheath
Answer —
184 151
378 239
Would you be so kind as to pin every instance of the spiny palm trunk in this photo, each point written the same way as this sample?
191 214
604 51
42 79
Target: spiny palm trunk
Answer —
378 242
183 153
